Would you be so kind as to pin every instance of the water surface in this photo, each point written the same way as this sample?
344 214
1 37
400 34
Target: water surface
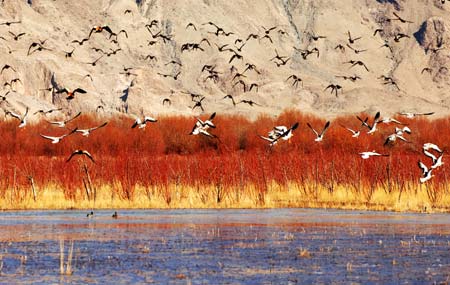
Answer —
282 246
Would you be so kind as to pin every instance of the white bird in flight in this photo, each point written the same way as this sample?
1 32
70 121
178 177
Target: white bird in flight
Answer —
86 132
319 137
22 119
142 123
56 140
62 124
367 154
426 173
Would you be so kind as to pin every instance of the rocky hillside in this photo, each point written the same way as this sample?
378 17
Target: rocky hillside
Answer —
179 57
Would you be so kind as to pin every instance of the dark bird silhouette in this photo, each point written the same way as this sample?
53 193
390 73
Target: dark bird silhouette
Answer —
191 25
400 36
9 23
113 52
252 36
351 78
314 37
81 152
127 11
99 29
253 85
198 104
305 52
250 66
114 215
398 18
45 112
94 63
116 35
174 62
249 102
242 83
175 77
71 93
80 42
357 51
237 56
360 63
295 80
340 47
352 40
378 31
426 69
151 57
69 53
387 45
230 97
334 88
18 36
7 66
166 100
39 46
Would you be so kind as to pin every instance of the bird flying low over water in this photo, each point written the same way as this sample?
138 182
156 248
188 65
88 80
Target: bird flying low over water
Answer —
81 152
367 154
21 118
142 123
86 132
319 136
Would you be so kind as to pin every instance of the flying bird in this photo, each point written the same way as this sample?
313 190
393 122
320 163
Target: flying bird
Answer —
21 118
319 136
87 132
426 173
368 154
56 140
81 152
143 123
71 93
62 124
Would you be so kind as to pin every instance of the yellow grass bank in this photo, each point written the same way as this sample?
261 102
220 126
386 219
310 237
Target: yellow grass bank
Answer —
420 199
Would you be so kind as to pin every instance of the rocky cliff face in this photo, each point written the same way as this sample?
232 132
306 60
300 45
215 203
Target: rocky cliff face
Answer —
186 50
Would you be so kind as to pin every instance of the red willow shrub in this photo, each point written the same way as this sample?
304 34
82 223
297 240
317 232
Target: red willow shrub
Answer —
164 153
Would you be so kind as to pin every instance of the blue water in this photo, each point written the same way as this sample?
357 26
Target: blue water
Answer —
226 247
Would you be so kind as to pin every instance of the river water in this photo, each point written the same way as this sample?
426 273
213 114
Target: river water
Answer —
280 246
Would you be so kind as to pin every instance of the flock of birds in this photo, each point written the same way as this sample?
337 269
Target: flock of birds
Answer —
239 79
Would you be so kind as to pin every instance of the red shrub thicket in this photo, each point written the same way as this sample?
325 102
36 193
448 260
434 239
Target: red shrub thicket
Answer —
164 153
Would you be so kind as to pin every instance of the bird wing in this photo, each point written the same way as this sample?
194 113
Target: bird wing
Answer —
85 152
17 116
98 127
49 137
149 119
76 116
79 90
325 128
423 167
430 155
309 126
212 116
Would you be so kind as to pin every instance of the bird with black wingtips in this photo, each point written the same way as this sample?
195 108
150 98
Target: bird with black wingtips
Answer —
87 132
142 123
56 140
99 29
63 123
319 136
81 153
21 118
71 93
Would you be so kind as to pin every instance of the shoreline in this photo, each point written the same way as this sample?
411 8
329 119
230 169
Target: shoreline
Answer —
188 197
